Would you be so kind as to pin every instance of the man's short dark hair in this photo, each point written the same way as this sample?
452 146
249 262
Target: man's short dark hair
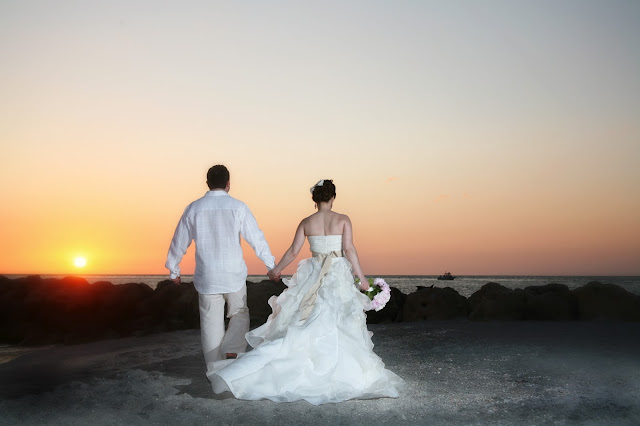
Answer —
217 177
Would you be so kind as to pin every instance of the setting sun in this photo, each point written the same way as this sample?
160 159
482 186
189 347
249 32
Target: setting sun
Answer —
502 148
80 262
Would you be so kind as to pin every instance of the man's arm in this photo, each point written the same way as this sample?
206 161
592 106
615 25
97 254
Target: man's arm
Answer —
255 237
179 244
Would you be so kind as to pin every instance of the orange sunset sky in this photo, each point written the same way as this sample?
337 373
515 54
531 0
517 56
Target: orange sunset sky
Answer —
493 137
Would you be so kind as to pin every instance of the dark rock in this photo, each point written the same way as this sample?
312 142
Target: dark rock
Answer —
258 295
124 309
606 301
422 287
550 302
175 307
188 307
33 333
496 302
393 311
36 311
434 303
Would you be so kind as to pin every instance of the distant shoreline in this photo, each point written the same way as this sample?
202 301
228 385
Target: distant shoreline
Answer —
466 285
14 275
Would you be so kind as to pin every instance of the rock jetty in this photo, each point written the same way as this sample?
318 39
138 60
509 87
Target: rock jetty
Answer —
38 311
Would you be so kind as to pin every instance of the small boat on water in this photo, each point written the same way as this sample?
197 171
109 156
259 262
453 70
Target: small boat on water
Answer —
446 276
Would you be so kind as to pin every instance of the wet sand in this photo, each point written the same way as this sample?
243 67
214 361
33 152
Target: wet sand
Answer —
456 372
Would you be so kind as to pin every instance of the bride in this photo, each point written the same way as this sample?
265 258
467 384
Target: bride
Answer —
315 345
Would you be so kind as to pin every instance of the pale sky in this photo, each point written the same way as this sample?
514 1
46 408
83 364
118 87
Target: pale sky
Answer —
497 137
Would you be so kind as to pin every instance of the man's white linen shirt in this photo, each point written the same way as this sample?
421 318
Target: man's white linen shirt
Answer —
216 222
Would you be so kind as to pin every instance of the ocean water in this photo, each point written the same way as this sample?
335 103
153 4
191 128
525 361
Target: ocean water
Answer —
466 285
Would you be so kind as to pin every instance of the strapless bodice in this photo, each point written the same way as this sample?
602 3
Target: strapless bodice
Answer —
325 243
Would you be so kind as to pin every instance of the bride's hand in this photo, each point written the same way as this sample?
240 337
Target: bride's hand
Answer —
364 284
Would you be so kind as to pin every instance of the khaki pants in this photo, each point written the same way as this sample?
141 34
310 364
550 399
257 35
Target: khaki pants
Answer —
215 341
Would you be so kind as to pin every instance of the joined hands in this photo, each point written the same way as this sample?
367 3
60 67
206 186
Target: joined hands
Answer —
273 276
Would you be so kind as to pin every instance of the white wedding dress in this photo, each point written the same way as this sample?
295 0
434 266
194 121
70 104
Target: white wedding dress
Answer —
315 345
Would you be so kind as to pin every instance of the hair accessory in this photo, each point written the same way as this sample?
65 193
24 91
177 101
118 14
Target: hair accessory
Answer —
320 183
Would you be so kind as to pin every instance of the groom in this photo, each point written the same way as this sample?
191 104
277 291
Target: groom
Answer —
216 222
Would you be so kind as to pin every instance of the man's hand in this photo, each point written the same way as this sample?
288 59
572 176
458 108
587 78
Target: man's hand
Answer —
273 276
176 280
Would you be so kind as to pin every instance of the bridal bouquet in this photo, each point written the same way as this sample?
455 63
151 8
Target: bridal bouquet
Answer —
379 293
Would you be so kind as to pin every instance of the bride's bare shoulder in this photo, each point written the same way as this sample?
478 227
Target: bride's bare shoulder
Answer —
307 221
342 218
308 218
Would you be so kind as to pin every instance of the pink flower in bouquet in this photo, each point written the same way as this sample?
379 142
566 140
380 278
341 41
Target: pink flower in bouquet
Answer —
379 293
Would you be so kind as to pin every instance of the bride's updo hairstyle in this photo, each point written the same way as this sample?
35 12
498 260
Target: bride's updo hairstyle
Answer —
323 191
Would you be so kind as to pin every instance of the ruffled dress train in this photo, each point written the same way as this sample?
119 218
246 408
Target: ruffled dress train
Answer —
315 345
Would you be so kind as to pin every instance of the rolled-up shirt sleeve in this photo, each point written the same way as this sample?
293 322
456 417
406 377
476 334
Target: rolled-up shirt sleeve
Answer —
255 237
179 244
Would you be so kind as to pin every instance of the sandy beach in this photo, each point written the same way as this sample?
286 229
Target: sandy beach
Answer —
456 372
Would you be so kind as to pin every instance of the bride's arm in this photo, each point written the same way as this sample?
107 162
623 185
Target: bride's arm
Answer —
352 254
292 252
